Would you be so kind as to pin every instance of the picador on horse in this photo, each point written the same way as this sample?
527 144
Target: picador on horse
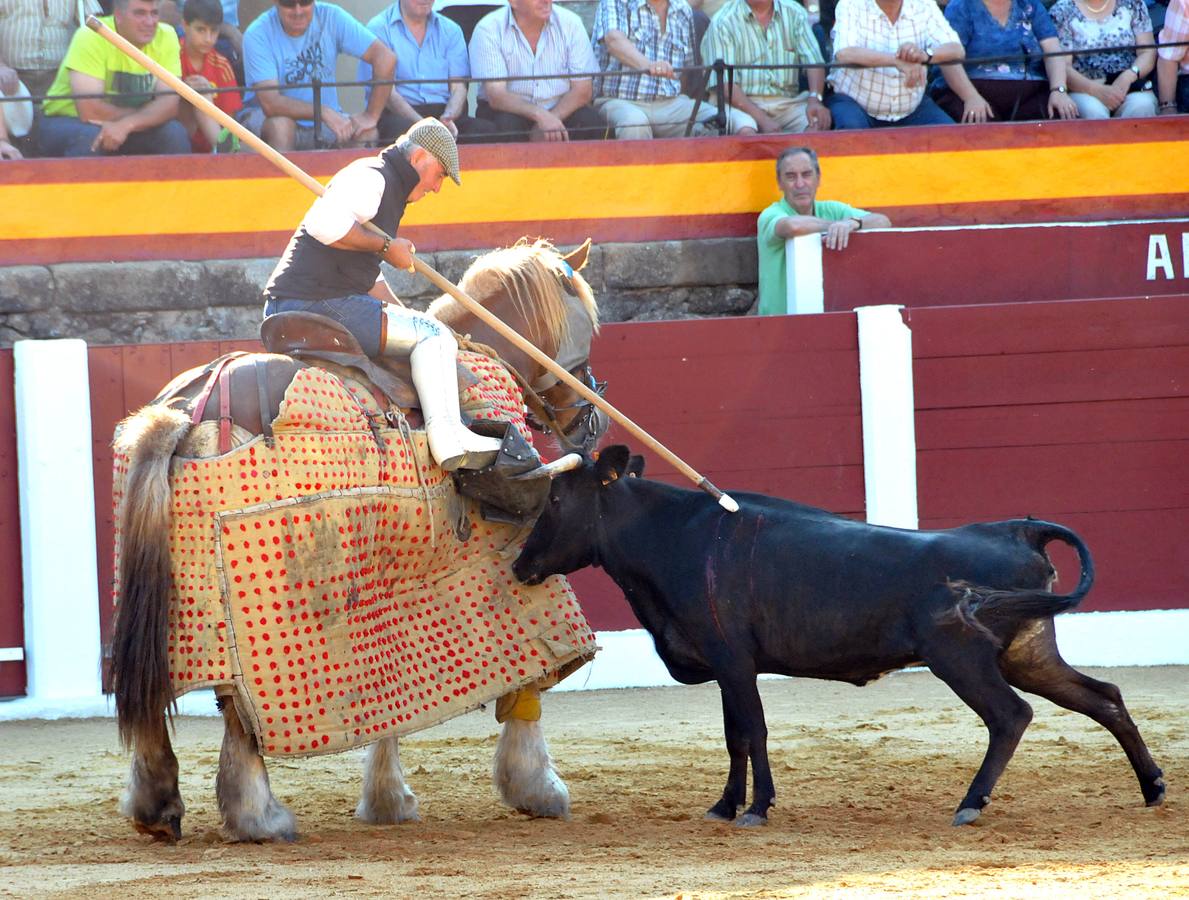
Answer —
289 536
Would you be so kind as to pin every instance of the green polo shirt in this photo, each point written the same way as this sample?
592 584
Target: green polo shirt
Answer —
773 269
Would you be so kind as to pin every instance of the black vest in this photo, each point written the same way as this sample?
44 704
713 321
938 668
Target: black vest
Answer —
310 270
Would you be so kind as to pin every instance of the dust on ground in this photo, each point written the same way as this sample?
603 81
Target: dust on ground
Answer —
867 780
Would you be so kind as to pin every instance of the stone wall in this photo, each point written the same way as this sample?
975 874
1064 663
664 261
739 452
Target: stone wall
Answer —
143 302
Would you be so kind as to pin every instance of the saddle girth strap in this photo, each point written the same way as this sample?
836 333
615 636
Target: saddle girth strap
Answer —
224 410
261 367
213 372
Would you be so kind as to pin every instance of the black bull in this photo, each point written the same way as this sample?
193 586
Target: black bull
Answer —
783 588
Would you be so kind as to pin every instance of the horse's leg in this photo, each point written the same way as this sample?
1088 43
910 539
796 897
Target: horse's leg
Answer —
523 771
152 800
250 811
386 798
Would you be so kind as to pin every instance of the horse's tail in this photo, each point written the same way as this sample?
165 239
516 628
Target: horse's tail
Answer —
989 606
140 664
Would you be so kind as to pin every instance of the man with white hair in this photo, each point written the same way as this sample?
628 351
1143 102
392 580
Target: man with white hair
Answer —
332 264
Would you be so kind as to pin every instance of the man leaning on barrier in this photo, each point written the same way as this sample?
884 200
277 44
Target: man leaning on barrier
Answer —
797 213
137 114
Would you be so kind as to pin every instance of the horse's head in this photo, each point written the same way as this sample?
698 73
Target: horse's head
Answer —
542 295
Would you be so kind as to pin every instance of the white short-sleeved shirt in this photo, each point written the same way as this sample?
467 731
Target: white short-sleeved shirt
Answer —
499 49
861 23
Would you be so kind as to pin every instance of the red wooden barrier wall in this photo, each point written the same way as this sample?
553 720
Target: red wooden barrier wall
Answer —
1077 412
12 626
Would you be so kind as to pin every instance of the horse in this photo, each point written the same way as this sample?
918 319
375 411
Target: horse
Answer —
186 586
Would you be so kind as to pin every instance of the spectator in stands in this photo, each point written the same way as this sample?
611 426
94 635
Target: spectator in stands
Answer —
427 45
770 33
655 36
1173 64
34 36
535 38
285 49
799 212
1114 82
138 113
204 68
894 41
1025 88
230 42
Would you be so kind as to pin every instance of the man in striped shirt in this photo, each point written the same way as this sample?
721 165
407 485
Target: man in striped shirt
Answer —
640 44
769 34
550 45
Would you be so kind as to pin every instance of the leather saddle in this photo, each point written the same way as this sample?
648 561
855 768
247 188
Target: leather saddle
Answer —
311 337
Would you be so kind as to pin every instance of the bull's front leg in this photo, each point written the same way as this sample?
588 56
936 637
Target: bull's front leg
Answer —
152 799
386 799
741 693
250 811
734 794
523 771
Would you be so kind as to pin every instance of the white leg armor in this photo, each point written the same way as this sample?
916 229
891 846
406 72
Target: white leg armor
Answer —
433 355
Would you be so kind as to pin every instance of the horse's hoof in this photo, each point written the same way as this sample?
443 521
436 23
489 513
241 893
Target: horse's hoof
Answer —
750 820
714 816
966 816
168 832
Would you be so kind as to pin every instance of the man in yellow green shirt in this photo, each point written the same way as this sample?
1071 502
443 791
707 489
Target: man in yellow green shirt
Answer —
799 212
137 114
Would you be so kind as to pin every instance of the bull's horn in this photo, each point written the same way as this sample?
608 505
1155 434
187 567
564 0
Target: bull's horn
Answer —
566 463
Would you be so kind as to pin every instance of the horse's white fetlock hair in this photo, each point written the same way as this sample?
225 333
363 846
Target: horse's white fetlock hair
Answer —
386 799
524 773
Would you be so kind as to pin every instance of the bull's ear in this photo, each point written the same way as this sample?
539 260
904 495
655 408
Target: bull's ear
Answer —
636 466
578 258
612 463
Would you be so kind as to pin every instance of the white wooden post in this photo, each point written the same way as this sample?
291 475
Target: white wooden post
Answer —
804 287
57 502
889 426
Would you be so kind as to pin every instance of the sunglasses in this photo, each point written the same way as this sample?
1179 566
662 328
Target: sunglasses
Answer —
291 4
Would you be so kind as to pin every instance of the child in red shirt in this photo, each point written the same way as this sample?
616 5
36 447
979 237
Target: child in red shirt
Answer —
204 67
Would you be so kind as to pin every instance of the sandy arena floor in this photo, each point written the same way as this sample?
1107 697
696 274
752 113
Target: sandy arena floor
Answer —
867 781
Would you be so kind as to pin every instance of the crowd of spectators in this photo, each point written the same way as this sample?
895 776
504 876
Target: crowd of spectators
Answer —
542 77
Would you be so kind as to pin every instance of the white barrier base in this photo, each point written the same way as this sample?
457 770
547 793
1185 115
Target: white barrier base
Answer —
627 660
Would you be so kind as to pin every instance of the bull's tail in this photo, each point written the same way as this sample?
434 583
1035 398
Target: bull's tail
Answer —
140 664
989 607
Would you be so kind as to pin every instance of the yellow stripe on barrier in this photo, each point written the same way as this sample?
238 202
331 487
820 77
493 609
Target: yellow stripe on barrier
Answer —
254 205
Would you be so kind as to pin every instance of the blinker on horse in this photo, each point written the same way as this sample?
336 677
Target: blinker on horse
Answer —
320 589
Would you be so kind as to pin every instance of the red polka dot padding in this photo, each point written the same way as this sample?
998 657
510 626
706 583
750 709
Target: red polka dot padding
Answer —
348 592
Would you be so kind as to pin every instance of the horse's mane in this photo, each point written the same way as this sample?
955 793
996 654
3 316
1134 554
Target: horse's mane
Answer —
531 273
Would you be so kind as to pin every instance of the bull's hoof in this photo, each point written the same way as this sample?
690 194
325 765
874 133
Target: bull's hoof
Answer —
751 820
966 816
722 811
1154 793
169 831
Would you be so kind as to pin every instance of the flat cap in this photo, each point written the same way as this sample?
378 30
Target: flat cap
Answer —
432 135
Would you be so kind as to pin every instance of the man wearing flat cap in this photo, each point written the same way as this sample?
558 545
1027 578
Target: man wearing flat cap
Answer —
332 264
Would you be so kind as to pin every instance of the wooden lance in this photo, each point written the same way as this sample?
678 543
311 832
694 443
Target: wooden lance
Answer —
287 166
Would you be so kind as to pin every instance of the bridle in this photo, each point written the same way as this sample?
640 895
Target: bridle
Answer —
589 421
